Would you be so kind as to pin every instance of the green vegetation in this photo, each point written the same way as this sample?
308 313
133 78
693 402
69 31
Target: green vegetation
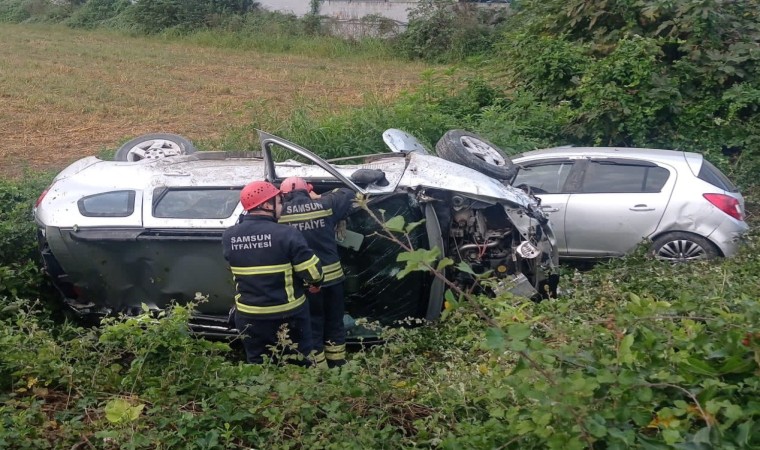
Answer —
20 274
661 74
634 354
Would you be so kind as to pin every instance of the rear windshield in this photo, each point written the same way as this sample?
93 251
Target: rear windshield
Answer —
714 176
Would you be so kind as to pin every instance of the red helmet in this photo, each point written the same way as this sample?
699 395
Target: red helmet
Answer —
294 184
256 193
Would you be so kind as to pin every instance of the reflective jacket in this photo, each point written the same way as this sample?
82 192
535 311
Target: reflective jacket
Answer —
270 263
317 220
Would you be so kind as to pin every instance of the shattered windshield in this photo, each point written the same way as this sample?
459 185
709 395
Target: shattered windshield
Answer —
372 289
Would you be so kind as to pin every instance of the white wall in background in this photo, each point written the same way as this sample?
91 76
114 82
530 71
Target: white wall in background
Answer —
345 9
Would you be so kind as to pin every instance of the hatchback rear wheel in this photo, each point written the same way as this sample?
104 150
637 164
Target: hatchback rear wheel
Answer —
681 247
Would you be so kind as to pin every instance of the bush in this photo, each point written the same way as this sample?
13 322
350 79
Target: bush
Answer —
635 353
17 11
661 74
17 227
153 16
20 275
96 13
440 31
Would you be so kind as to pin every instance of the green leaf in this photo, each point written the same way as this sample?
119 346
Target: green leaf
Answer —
518 331
700 367
644 394
464 267
395 224
410 227
605 377
737 364
517 346
121 411
443 263
702 436
419 259
743 434
733 412
524 427
596 425
671 436
625 354
495 339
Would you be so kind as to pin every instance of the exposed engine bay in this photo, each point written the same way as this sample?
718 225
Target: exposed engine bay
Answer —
487 238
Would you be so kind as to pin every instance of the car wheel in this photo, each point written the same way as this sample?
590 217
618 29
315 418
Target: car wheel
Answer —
154 146
469 149
680 247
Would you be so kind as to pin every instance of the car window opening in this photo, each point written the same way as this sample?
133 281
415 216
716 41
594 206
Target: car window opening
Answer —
108 204
206 203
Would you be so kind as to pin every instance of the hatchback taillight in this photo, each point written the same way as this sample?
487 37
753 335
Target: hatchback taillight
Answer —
727 204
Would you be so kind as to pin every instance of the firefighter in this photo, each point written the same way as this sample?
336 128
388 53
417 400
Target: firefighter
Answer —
317 217
270 263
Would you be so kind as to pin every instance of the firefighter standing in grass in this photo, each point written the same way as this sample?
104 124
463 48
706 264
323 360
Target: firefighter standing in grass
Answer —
270 263
316 217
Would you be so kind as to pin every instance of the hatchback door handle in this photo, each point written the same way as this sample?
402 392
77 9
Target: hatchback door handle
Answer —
549 208
641 207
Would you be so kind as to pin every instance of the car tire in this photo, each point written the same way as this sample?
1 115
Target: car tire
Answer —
470 150
154 146
681 247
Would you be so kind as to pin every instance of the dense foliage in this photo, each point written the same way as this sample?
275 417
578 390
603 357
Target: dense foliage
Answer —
629 73
443 31
20 273
633 354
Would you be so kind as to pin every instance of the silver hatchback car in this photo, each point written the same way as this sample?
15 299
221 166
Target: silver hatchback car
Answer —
604 201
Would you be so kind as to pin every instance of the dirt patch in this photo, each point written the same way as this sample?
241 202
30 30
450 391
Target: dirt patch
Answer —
67 94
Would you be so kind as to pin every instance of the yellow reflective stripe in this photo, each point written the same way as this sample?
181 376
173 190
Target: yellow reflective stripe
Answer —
333 275
319 357
289 286
261 270
331 267
310 265
248 309
305 265
288 218
335 352
287 271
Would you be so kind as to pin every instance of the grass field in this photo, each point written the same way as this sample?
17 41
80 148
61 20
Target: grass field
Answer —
68 94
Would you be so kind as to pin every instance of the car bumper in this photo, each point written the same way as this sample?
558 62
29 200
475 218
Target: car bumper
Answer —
729 236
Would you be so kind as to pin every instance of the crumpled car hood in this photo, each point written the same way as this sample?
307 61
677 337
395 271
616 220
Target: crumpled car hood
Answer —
434 172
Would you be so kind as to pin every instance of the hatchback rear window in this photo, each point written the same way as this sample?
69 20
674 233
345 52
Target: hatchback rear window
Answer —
606 177
108 204
195 203
714 176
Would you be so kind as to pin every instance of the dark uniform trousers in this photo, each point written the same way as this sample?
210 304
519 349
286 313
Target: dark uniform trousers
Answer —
328 332
261 337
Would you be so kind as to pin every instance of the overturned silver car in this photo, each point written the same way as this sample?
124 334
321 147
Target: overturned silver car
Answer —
115 235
